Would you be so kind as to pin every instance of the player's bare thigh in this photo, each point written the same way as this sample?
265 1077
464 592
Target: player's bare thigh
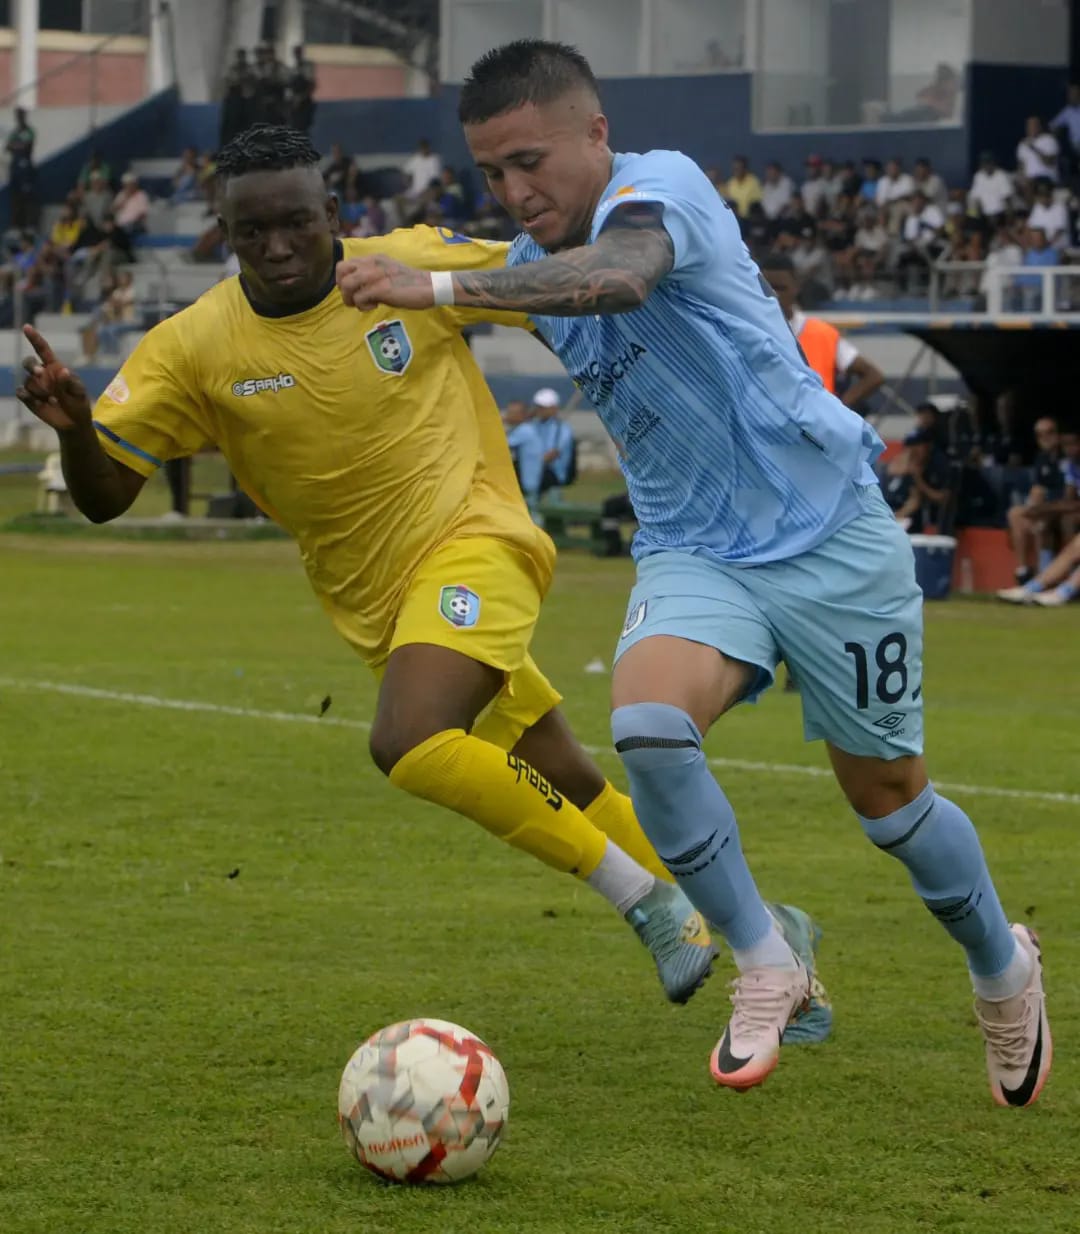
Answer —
700 680
877 787
427 689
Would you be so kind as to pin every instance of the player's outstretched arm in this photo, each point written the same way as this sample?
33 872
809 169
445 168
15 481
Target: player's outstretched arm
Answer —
99 486
615 274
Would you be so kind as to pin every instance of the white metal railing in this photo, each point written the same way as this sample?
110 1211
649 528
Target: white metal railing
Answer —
1039 291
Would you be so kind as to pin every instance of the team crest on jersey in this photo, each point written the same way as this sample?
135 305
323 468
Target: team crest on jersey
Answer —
390 346
459 606
634 618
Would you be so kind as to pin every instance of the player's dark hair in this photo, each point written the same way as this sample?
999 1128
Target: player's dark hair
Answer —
265 147
779 263
525 71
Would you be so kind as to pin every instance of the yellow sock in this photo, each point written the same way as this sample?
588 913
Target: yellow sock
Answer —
505 795
613 813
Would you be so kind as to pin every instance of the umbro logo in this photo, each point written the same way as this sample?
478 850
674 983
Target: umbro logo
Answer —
893 720
256 385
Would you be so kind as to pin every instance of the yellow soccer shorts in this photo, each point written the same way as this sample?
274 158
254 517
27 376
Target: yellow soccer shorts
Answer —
481 597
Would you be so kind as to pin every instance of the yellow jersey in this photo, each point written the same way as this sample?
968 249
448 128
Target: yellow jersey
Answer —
372 438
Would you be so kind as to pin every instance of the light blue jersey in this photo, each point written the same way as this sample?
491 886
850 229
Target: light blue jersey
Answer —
730 445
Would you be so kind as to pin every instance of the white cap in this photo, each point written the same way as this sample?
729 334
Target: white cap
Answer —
546 398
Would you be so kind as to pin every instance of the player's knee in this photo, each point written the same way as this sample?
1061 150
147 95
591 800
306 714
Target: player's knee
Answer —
389 743
885 786
651 736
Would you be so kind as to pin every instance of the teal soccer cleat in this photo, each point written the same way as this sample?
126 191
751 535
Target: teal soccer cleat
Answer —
676 935
814 1023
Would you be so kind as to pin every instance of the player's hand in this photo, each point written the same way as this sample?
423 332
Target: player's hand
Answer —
51 390
365 282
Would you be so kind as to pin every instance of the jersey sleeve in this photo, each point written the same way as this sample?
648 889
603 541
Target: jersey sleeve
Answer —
439 248
846 354
152 411
692 207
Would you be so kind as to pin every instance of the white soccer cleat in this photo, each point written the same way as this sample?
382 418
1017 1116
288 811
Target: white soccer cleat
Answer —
1016 595
764 1001
1050 599
1019 1048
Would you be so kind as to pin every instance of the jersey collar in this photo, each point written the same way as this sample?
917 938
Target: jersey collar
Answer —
293 310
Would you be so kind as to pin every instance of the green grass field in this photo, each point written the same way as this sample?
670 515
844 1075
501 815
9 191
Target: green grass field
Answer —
205 910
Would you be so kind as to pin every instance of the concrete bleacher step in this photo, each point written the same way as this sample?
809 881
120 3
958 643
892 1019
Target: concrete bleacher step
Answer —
155 169
61 323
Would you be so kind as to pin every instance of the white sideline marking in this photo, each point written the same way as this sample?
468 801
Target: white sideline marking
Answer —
299 717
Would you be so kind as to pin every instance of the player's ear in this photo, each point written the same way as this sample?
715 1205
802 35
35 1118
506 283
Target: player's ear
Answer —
332 215
598 129
224 229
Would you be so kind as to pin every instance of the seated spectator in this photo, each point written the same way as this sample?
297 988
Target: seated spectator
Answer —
837 231
1066 126
131 206
928 182
834 185
43 286
425 208
991 188
929 420
186 179
113 316
373 222
97 198
776 191
65 231
95 165
207 172
833 357
451 200
1037 254
916 483
1032 542
351 211
793 221
815 188
1005 252
847 180
871 174
557 439
421 167
1053 586
811 261
335 168
936 102
923 238
490 221
1049 216
894 189
757 229
526 450
716 178
743 187
1036 156
871 252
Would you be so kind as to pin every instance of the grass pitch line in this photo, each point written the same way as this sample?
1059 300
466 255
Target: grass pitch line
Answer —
299 717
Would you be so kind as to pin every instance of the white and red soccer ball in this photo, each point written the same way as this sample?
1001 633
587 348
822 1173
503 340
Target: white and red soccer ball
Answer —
423 1101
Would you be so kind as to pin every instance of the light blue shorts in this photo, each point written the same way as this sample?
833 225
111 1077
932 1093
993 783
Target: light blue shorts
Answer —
846 618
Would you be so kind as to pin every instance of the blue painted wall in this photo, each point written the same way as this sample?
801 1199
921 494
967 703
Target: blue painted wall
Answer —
707 117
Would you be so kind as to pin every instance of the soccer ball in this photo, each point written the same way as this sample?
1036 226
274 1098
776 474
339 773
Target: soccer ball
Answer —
391 349
424 1101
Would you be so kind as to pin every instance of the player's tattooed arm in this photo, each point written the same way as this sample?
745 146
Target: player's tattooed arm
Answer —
615 274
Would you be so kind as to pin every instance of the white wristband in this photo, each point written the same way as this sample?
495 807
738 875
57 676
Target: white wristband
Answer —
442 287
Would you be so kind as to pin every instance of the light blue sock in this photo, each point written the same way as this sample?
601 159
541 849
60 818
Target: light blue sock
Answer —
1046 556
1068 590
935 840
688 819
1033 586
